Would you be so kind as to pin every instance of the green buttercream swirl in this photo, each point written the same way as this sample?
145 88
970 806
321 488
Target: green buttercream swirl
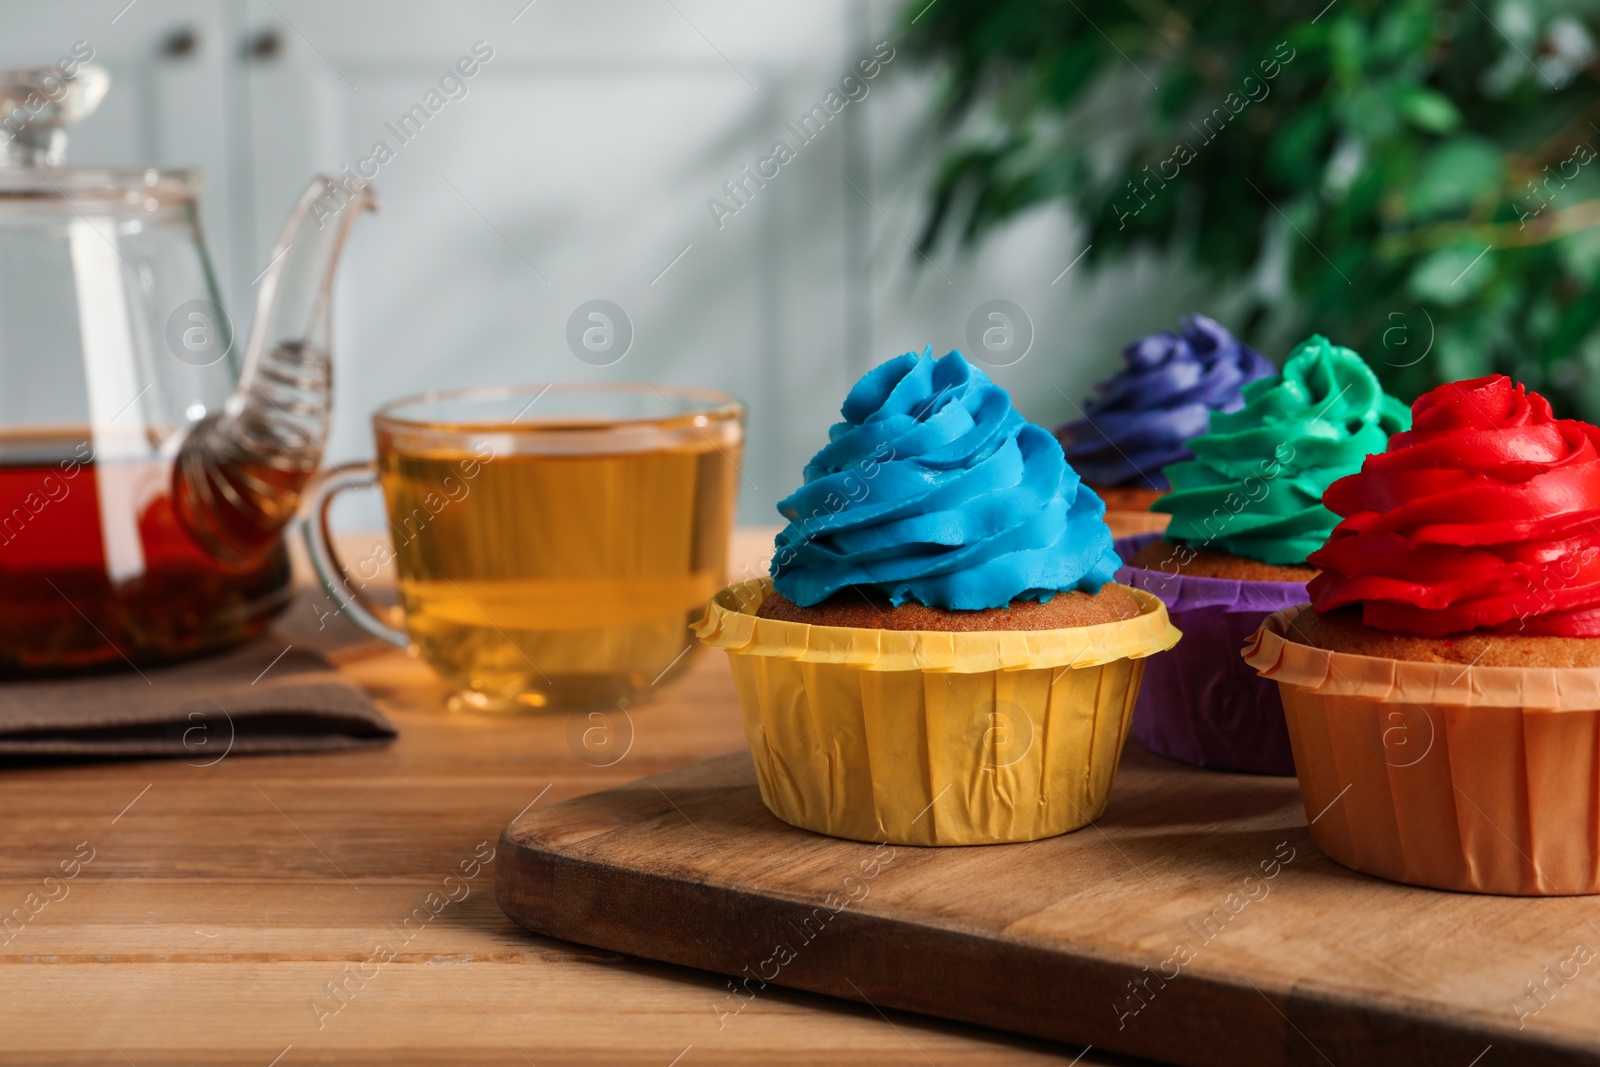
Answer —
1255 486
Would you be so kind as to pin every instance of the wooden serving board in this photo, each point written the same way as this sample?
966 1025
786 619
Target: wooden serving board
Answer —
1195 923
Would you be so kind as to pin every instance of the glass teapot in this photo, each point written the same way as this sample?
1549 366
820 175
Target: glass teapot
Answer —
148 465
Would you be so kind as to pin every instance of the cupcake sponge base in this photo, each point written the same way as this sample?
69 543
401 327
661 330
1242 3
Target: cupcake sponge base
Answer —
1342 631
1164 556
855 608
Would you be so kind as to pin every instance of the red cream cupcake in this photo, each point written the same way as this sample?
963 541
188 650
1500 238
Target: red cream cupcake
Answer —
1443 697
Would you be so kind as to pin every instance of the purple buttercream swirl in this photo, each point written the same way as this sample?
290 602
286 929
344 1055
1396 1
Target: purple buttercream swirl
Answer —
1141 418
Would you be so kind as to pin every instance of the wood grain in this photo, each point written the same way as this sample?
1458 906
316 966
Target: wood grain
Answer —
1194 922
221 900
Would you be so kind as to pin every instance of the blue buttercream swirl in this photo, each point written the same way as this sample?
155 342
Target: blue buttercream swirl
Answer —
1141 418
935 489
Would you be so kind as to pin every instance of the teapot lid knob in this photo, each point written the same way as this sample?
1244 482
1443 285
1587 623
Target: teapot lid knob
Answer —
37 105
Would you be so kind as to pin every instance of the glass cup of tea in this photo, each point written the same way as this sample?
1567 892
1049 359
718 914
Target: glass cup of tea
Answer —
551 544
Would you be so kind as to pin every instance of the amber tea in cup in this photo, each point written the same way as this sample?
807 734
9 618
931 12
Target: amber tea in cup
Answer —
551 544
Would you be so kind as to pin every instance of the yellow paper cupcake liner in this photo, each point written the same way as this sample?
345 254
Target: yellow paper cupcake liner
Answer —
1477 779
931 737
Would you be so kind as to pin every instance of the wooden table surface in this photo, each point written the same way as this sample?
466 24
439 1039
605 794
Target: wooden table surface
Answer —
228 913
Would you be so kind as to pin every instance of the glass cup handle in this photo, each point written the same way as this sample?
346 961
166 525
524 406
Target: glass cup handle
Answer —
319 546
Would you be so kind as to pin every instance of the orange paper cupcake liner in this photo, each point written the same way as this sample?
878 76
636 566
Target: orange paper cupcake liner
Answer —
1478 779
934 738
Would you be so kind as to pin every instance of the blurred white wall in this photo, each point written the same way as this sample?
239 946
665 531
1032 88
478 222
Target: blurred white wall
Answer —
577 166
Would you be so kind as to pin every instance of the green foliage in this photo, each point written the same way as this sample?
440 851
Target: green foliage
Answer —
1420 172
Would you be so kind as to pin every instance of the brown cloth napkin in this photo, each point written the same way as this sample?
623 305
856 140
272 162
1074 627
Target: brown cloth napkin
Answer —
267 696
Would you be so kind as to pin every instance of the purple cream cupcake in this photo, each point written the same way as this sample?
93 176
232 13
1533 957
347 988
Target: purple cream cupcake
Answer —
1141 418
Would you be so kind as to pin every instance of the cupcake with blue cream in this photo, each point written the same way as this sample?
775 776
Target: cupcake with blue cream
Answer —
936 506
941 655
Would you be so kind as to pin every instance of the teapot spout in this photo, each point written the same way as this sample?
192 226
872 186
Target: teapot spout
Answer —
240 471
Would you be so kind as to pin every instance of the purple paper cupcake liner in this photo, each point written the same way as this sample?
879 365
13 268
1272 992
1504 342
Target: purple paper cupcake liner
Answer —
1201 703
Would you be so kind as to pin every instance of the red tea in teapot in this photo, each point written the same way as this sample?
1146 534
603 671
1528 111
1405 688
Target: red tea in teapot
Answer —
149 463
97 570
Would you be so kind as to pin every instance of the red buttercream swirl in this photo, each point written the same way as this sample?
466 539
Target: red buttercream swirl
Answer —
1485 515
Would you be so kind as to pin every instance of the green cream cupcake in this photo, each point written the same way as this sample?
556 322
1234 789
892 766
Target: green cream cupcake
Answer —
1246 513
